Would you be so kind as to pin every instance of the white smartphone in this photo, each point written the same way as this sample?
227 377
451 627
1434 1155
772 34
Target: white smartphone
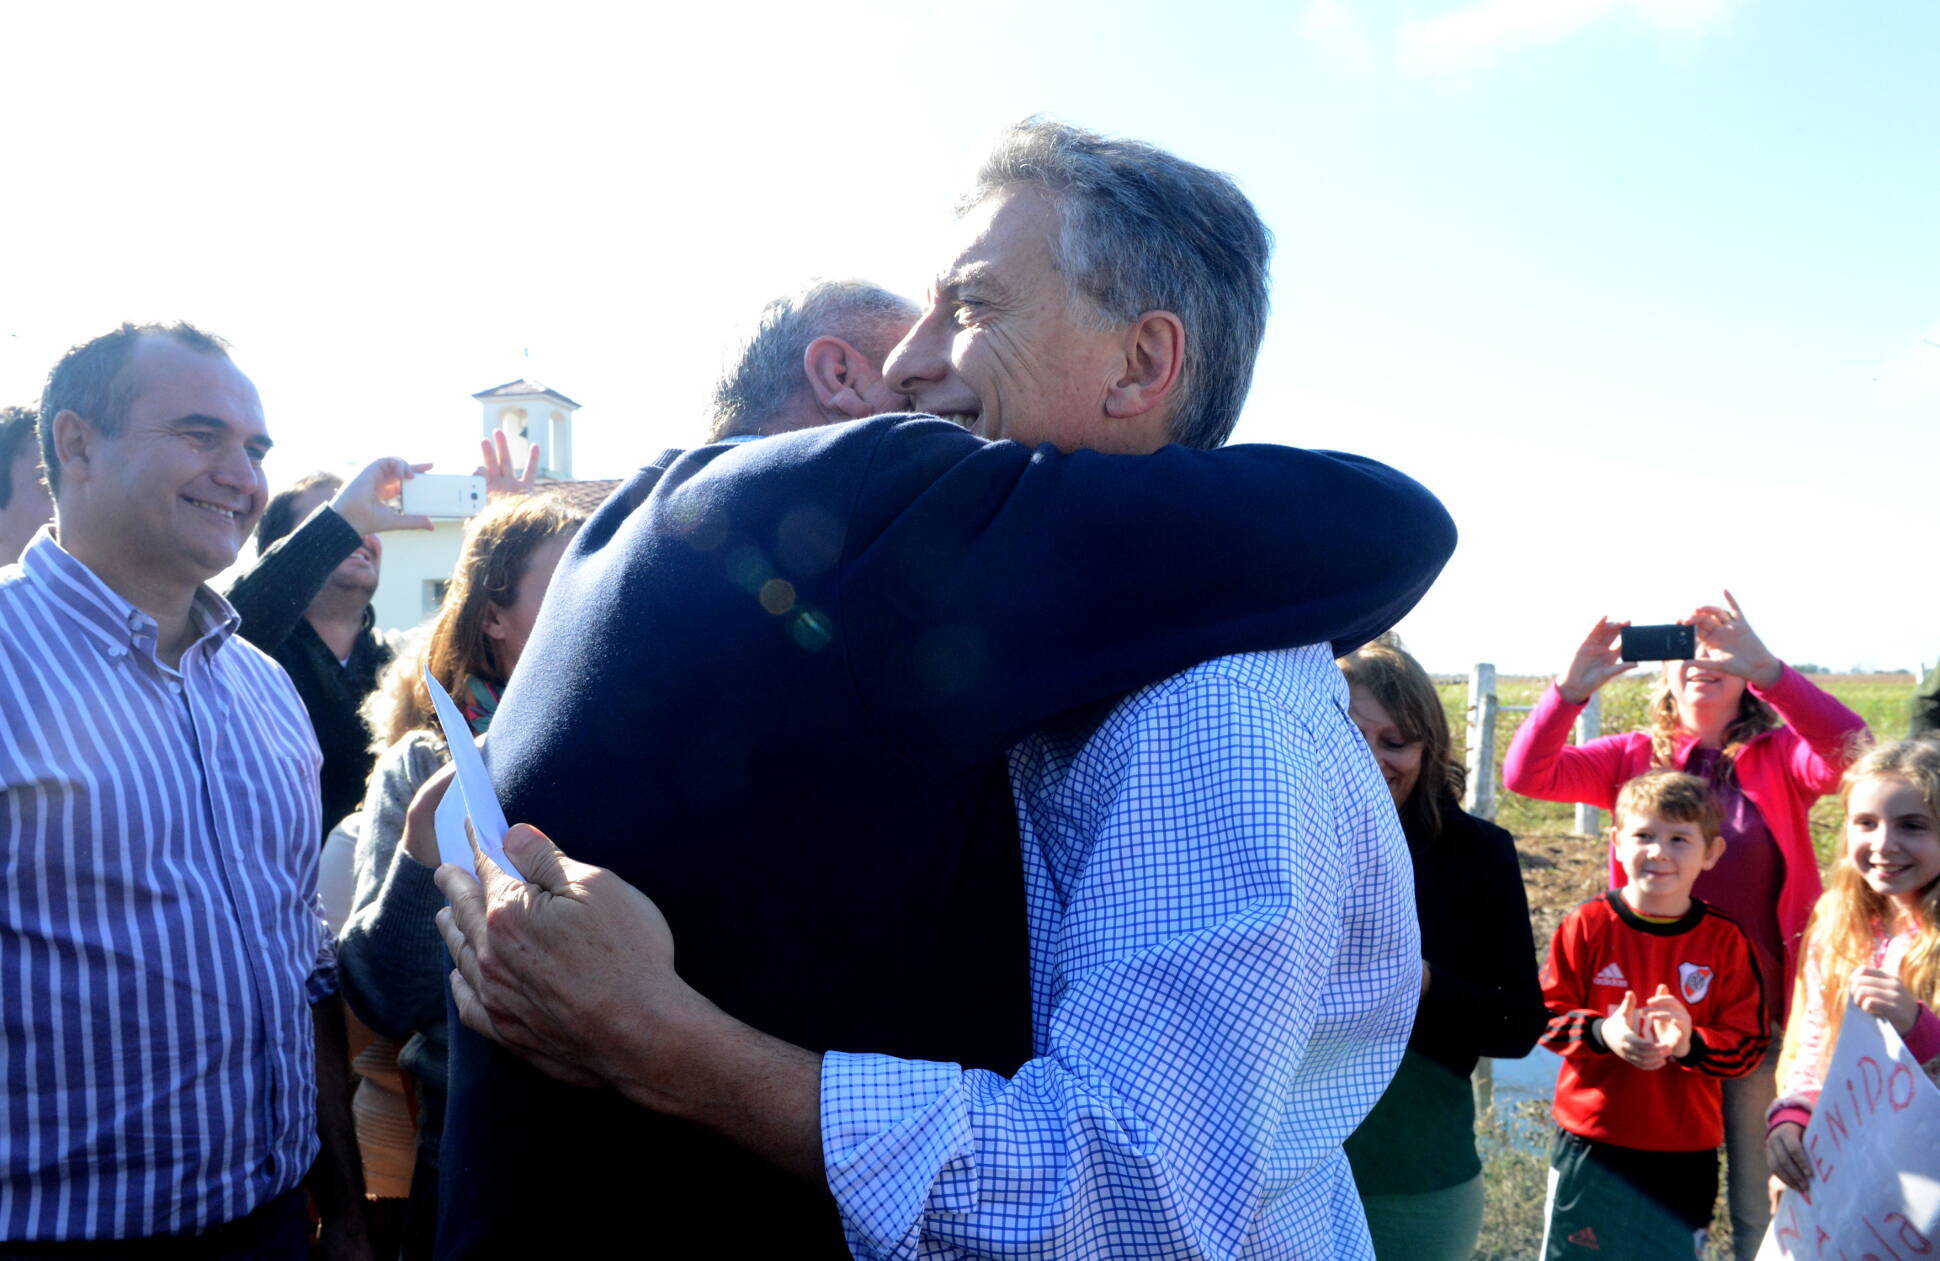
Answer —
444 495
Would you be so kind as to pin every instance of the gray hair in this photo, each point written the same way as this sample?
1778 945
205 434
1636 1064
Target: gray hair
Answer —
90 382
16 427
1142 231
768 370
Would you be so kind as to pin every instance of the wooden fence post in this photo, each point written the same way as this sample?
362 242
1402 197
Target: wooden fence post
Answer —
1479 798
1589 725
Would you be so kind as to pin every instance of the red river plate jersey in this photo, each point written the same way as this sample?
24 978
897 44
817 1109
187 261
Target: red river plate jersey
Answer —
1603 948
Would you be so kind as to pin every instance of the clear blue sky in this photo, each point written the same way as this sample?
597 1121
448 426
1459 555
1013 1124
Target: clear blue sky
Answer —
1639 287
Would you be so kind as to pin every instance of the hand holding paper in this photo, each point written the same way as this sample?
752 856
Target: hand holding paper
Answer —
475 799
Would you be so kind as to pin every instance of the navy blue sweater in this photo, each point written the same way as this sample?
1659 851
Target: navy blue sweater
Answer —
773 687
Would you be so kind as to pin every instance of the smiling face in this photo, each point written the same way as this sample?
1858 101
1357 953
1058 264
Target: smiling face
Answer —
1398 756
1892 837
172 494
1699 687
1662 859
1004 349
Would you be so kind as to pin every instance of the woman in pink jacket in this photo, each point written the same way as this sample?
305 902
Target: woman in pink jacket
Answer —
1717 717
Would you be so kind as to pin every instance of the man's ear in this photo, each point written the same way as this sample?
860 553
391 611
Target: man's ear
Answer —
74 441
1155 354
840 377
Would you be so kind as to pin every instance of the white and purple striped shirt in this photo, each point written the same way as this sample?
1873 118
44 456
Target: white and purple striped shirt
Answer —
160 941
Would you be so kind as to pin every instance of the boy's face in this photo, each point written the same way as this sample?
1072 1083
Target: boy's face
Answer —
1662 857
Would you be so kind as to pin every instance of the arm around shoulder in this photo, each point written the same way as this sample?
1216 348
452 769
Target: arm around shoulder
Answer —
1051 580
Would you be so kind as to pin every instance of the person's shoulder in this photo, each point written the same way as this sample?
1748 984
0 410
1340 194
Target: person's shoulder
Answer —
1300 679
1595 913
897 436
413 752
1718 924
1464 832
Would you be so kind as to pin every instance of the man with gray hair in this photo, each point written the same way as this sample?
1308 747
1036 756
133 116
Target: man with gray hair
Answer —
1223 961
815 358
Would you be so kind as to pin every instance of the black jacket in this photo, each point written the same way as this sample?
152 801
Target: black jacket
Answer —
1483 998
271 597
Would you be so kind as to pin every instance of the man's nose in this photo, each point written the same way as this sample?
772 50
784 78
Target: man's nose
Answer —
919 359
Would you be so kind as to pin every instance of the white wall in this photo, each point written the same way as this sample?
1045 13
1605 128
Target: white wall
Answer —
411 558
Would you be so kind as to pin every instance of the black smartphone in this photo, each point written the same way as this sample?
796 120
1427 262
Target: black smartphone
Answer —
1658 643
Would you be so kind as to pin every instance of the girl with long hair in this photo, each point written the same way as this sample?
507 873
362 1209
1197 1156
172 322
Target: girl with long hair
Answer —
1874 937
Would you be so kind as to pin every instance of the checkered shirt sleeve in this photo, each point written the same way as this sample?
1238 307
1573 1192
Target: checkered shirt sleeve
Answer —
1224 959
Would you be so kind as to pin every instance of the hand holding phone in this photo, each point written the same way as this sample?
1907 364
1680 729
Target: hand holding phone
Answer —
1595 663
444 495
1664 642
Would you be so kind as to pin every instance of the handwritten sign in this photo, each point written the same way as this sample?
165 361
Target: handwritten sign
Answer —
1874 1147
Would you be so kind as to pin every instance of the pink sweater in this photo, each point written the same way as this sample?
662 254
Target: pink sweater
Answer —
1782 772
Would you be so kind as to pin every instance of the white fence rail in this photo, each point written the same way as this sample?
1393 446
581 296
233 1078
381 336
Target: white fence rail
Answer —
1479 799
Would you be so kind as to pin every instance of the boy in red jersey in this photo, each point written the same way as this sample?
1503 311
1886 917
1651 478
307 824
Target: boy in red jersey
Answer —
1634 1166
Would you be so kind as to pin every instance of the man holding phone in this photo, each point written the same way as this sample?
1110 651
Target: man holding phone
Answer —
307 599
306 602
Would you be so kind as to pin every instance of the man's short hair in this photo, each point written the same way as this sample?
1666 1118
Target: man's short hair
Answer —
279 514
1674 797
768 370
89 381
16 424
1145 231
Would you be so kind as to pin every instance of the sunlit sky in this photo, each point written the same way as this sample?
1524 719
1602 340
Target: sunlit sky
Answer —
1648 291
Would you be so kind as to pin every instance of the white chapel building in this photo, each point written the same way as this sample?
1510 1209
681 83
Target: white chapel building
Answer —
417 563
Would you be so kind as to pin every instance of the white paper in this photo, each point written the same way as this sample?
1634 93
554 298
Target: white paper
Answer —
474 790
1876 1163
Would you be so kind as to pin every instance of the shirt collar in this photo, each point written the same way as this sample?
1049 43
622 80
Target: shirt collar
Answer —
109 619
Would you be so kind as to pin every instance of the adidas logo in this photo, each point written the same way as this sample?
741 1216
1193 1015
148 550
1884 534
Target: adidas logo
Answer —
1611 974
1586 1238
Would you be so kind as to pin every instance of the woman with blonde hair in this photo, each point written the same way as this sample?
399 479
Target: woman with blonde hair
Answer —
1770 743
1414 1156
389 953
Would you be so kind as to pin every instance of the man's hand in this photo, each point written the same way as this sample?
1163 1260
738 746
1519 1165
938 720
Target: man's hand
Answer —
364 500
573 970
1626 1040
1785 1153
1728 641
500 480
1670 1023
1884 995
1598 660
421 819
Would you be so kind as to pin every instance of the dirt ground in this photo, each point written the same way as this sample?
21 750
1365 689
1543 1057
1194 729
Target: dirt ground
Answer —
1558 873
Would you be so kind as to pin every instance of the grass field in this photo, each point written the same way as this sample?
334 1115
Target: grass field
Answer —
1883 700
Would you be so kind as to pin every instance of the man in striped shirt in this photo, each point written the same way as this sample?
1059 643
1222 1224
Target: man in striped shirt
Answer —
171 1046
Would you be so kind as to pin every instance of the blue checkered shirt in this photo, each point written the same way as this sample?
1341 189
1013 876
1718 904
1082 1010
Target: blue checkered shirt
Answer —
1225 966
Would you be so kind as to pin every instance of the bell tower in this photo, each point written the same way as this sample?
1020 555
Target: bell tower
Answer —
532 414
